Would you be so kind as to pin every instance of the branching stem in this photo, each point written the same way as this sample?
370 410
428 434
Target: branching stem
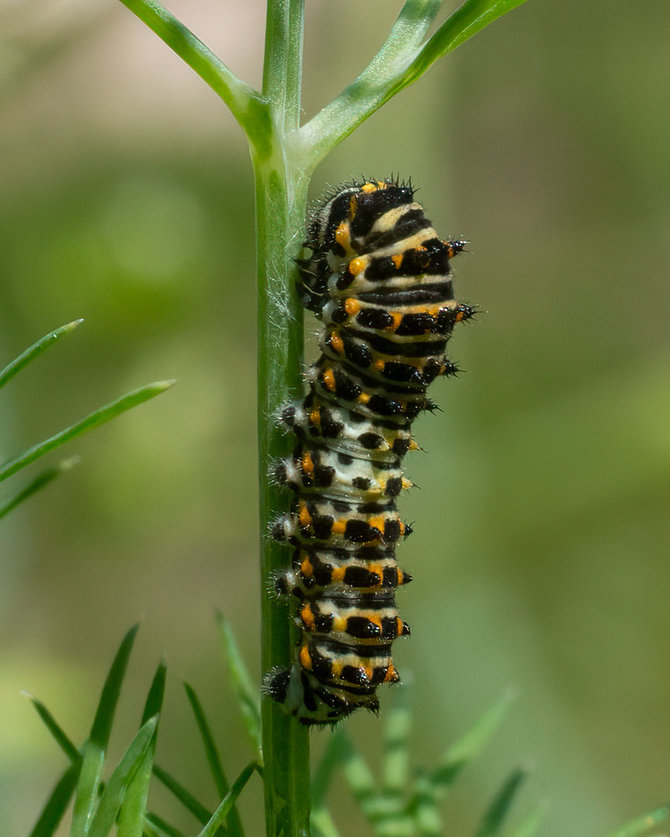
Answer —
284 155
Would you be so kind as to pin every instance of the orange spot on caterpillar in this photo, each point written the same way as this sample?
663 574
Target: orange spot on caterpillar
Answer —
329 380
336 343
352 306
391 675
307 616
304 516
342 235
305 658
357 265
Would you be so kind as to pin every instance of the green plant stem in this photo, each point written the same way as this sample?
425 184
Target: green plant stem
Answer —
281 195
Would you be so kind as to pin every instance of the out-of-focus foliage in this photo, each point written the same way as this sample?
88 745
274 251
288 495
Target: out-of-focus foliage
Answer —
542 531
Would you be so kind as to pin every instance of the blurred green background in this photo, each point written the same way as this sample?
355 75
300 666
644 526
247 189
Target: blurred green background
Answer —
540 552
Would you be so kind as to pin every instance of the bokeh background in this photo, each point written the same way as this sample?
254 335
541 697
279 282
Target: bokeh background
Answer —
540 551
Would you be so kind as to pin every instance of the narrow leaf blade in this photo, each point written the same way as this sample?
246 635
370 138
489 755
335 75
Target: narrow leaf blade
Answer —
62 739
94 419
86 799
322 824
246 694
470 18
154 702
57 803
35 350
133 811
496 813
641 825
211 752
458 755
95 748
104 716
220 815
220 780
397 729
131 818
40 481
120 780
187 799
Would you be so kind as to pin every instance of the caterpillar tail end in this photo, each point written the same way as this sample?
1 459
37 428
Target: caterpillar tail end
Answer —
302 696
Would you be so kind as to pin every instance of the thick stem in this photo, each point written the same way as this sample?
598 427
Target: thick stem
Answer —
280 213
281 196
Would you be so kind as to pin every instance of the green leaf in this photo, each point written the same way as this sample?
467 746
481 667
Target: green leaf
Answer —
470 18
119 782
401 61
199 811
397 729
56 730
424 808
154 702
211 752
220 815
458 755
40 481
104 716
36 349
430 785
133 811
494 817
88 788
641 825
93 751
213 759
131 820
95 419
362 782
246 694
57 804
322 824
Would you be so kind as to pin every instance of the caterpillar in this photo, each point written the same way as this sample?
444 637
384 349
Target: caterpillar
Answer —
378 277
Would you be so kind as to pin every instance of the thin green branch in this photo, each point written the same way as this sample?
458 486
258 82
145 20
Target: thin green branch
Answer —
368 92
282 67
400 62
244 101
472 17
